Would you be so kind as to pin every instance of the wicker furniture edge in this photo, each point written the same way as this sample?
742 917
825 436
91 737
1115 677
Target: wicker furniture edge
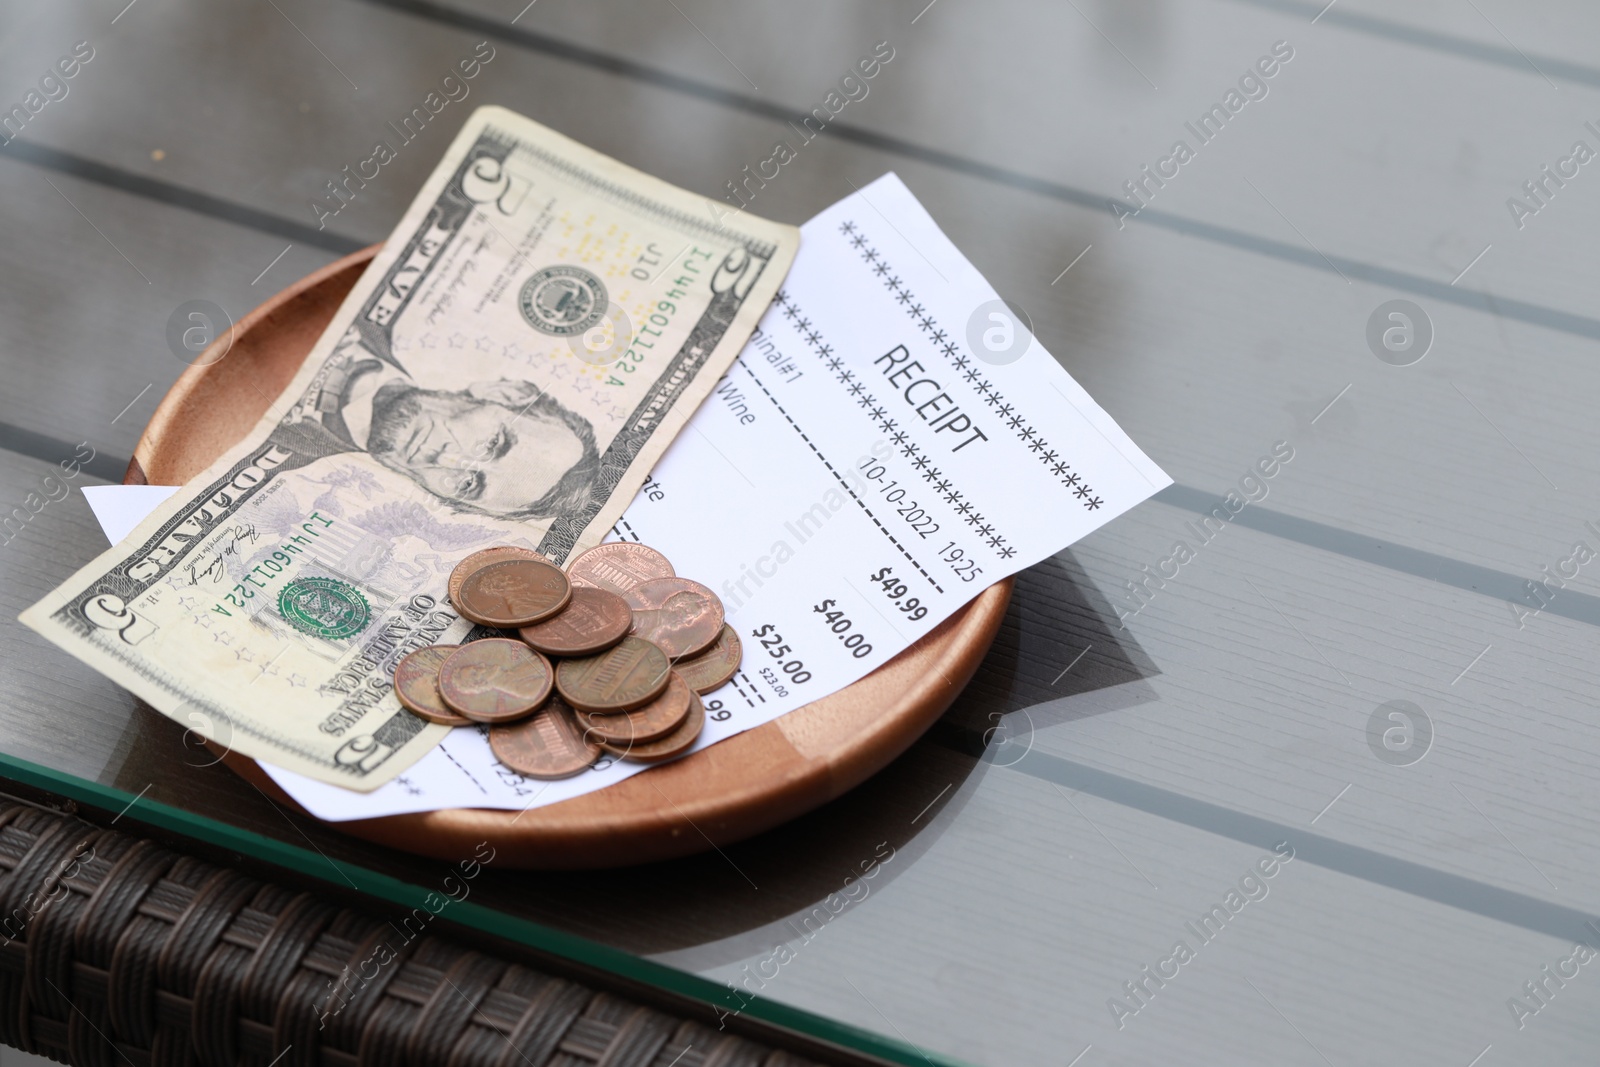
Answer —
118 950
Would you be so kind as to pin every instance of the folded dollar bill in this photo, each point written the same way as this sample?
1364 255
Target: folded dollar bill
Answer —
534 333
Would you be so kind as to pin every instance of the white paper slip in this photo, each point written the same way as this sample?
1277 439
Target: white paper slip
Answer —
887 446
119 508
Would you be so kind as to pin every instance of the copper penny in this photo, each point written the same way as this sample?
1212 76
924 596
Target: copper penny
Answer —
680 616
416 683
712 668
513 592
592 621
548 744
480 559
676 743
631 673
495 680
648 722
619 566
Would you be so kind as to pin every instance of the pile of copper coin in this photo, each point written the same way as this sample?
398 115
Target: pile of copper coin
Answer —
611 656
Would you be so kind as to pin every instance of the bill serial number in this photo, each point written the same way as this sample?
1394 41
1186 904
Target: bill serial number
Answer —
275 564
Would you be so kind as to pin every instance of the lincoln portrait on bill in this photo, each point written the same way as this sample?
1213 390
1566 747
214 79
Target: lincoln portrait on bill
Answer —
503 448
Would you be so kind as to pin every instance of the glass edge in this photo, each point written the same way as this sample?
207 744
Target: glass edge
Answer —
486 920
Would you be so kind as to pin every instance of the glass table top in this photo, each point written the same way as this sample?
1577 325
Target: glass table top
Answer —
1321 713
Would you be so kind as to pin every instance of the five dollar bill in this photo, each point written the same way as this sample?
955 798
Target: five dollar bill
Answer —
538 328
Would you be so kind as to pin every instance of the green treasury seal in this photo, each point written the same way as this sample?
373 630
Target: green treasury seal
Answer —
324 607
563 301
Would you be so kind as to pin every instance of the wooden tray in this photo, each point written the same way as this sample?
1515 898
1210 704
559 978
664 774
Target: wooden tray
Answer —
732 790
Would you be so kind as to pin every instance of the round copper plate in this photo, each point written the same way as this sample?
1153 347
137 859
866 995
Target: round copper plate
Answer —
732 790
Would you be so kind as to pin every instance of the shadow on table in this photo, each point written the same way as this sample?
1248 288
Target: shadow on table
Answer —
1023 685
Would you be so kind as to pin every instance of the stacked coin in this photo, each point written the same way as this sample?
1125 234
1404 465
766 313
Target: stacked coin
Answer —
611 656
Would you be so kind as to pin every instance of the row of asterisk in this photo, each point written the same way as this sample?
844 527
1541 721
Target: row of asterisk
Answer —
992 396
920 462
